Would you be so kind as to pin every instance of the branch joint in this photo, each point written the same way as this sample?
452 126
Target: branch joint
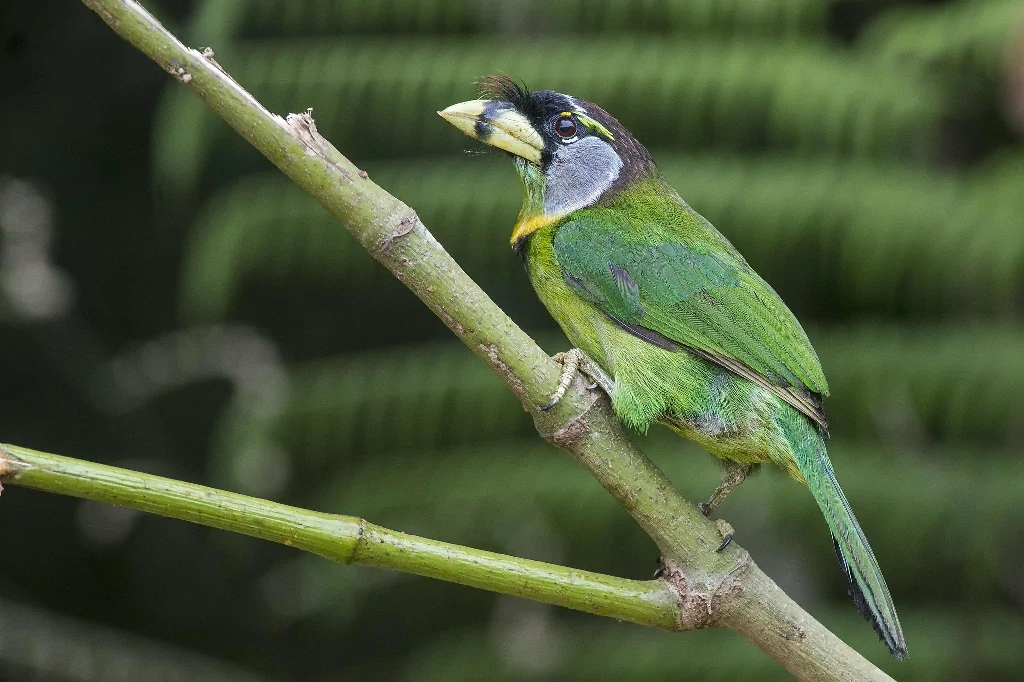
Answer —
700 601
402 226
10 466
357 545
303 129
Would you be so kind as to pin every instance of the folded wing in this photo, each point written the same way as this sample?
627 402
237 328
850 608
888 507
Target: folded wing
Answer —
685 285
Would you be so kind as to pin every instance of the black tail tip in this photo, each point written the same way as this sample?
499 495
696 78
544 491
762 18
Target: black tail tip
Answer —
892 640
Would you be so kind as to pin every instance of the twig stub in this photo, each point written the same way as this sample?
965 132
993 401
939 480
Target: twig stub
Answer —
8 465
402 226
303 128
5 462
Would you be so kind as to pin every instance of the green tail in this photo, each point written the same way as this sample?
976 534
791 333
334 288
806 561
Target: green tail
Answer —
867 586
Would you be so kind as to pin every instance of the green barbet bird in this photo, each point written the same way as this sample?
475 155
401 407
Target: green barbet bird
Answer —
683 331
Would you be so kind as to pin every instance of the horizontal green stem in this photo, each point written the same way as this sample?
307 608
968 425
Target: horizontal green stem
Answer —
344 539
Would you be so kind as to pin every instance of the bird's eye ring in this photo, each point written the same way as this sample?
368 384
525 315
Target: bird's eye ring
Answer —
565 127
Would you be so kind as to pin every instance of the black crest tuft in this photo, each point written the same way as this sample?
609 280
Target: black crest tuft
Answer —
536 106
503 87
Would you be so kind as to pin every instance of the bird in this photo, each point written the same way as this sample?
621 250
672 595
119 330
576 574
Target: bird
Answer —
664 313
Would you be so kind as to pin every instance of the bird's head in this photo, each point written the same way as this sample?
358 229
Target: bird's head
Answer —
570 154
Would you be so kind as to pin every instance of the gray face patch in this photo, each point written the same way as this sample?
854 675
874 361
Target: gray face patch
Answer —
578 174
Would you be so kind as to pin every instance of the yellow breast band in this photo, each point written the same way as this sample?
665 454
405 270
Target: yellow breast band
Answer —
527 226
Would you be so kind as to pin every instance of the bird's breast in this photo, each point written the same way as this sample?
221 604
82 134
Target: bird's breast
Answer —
529 224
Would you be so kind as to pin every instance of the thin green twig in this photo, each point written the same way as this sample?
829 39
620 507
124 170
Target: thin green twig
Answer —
344 539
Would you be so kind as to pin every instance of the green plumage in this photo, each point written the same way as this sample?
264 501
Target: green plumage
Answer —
649 260
646 259
691 336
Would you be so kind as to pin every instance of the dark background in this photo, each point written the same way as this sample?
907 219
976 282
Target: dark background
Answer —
169 303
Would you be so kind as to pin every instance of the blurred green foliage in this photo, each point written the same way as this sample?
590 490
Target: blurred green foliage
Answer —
861 154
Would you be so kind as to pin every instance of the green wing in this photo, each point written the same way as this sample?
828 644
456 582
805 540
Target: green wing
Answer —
684 284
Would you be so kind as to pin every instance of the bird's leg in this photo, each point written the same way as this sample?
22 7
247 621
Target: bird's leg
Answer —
573 361
733 473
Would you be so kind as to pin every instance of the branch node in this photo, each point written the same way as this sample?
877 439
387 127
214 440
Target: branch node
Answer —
695 602
303 128
405 224
9 465
700 600
207 53
797 634
360 539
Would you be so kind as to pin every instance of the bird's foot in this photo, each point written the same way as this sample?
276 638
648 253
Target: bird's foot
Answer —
573 361
725 531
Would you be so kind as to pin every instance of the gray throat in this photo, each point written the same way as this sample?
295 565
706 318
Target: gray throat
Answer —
578 174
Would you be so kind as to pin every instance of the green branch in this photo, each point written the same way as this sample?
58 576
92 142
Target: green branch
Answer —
709 589
344 539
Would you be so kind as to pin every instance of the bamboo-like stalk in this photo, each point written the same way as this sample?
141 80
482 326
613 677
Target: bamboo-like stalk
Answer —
709 589
344 539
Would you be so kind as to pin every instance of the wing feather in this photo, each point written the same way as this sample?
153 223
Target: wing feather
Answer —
685 285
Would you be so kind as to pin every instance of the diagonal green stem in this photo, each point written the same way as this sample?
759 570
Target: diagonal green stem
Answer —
344 539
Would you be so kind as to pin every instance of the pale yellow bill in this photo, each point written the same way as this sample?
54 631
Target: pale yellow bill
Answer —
499 126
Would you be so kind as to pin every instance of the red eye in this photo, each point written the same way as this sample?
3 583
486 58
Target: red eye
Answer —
566 127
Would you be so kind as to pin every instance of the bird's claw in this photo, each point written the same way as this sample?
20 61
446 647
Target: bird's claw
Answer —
726 532
573 361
